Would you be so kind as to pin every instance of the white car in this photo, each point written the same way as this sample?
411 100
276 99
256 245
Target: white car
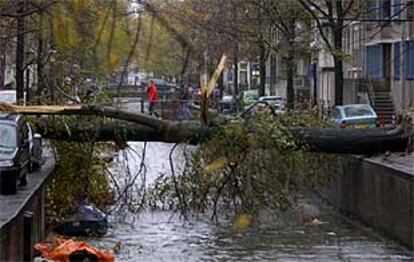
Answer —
9 97
274 101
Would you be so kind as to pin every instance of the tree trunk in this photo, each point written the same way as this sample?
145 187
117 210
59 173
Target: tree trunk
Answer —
349 141
290 61
140 127
27 87
20 53
339 81
290 87
204 101
236 72
2 60
262 66
39 59
337 34
220 83
185 64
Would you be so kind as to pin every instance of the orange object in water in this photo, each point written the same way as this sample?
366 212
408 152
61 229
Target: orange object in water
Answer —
60 250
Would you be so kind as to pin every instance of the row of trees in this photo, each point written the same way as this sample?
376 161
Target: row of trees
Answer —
72 41
59 48
255 29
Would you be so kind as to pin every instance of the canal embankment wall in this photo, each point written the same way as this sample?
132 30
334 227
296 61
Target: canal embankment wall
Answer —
379 191
22 216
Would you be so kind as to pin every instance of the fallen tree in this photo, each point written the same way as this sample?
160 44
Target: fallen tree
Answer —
130 126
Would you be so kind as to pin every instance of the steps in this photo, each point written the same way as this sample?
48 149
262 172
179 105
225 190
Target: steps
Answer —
383 104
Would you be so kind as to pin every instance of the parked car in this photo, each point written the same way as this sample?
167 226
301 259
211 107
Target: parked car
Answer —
9 96
20 152
354 116
274 101
249 97
227 104
162 85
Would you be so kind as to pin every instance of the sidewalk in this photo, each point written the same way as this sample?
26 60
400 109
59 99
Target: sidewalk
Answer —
400 161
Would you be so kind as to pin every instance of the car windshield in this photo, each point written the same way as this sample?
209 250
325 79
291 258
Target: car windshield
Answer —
7 97
355 111
8 137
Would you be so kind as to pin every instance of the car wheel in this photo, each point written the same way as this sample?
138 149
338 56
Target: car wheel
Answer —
23 180
36 166
9 184
31 167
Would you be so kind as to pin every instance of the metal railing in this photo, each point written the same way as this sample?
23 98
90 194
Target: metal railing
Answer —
171 109
371 92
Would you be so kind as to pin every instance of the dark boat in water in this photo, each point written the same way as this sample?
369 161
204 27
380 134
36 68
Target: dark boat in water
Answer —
85 221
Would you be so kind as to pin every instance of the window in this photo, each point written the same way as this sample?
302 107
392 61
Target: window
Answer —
397 6
8 137
243 78
410 9
385 9
397 60
374 61
360 110
371 9
336 114
410 60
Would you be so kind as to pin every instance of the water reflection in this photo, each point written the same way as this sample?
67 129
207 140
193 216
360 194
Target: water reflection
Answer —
163 236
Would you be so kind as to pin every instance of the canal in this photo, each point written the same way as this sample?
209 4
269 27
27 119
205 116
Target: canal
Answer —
164 236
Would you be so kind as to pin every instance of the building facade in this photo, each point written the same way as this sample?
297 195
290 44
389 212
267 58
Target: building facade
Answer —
378 51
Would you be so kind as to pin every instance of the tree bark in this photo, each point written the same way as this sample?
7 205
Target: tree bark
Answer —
2 60
140 127
290 87
339 72
350 141
337 29
339 81
39 58
290 62
236 71
262 68
20 53
40 67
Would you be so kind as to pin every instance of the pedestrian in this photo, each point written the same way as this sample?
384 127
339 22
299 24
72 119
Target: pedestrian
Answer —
153 97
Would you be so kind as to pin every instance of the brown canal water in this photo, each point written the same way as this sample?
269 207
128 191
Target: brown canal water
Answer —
163 236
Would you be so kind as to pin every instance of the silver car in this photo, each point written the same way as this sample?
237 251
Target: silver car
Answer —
354 116
276 102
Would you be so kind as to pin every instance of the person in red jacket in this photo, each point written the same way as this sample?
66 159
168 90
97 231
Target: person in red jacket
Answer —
153 97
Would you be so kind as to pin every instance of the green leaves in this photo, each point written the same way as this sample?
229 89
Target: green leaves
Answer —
244 167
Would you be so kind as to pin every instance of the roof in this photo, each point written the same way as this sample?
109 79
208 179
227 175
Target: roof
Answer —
271 98
353 105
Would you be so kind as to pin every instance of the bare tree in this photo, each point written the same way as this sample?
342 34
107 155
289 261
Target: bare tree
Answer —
329 17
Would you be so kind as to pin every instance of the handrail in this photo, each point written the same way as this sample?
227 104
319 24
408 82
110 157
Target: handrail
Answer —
371 92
